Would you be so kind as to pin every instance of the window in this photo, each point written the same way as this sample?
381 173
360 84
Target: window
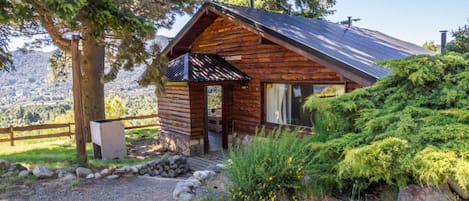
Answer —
284 102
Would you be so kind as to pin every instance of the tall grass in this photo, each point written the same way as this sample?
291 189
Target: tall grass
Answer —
270 168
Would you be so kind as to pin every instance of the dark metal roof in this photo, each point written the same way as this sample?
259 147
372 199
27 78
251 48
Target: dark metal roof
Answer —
203 68
354 49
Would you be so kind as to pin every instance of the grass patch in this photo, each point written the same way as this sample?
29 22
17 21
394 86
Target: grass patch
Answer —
62 153
141 134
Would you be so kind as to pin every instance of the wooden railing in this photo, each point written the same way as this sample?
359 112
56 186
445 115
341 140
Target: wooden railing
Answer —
66 126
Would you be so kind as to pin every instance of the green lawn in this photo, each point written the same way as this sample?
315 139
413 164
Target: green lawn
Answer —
59 153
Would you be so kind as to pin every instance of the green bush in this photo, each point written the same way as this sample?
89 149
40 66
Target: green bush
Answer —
270 168
410 127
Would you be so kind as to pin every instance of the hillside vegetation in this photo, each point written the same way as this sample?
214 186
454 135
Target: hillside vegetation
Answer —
28 94
410 127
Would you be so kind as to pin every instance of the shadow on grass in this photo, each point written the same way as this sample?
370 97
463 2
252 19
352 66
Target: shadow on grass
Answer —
141 134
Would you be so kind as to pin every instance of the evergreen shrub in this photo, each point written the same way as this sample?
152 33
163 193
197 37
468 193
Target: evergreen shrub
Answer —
411 127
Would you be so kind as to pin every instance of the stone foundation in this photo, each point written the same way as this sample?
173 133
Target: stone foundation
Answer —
186 145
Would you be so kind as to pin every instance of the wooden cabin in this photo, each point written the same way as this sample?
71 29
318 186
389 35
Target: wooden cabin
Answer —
266 64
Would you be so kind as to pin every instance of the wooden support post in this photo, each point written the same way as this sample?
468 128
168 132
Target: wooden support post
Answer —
12 136
77 102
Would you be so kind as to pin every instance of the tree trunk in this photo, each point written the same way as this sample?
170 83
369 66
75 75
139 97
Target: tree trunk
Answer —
92 65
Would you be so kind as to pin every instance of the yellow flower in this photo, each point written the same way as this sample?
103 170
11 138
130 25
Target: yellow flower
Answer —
270 178
294 198
272 198
290 160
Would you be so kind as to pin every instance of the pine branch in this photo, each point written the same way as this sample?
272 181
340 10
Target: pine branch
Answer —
54 33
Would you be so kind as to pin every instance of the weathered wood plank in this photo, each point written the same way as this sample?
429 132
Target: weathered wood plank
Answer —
40 127
64 134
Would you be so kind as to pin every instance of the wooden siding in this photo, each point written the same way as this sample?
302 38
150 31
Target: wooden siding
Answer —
197 94
262 62
174 110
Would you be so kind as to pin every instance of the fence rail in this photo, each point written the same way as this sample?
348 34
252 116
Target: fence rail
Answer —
12 129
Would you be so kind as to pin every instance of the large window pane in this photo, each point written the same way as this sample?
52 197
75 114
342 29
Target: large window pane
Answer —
276 104
284 102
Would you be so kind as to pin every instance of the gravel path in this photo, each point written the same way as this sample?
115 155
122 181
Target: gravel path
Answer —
126 188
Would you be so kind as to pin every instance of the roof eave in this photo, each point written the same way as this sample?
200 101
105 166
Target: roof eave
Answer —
342 68
200 12
346 70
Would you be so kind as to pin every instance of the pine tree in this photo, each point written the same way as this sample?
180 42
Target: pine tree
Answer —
117 30
305 8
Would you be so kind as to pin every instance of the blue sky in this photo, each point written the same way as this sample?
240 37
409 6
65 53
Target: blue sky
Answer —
414 21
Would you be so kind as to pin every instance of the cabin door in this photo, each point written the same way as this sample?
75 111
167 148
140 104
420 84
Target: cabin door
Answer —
213 118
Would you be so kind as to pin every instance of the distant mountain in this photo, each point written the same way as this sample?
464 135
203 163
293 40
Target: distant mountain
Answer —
27 84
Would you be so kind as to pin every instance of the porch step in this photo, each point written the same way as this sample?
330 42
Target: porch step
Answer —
205 162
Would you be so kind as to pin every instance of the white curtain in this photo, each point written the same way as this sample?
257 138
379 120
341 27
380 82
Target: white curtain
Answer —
276 95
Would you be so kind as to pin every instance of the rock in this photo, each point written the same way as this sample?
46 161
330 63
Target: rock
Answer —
186 196
183 159
194 182
134 170
464 193
24 173
105 172
217 168
97 175
174 159
61 173
122 170
42 172
221 166
139 166
164 174
16 168
68 177
171 173
90 176
83 172
203 175
4 164
114 176
182 191
7 174
427 193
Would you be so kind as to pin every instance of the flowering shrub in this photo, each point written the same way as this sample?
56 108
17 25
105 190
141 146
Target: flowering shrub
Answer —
270 168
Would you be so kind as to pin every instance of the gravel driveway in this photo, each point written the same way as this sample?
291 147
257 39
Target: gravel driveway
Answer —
126 188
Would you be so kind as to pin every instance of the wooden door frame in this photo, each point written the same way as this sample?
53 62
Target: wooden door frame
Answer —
226 103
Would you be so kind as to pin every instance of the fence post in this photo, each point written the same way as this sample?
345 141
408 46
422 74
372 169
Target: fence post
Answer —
12 137
70 130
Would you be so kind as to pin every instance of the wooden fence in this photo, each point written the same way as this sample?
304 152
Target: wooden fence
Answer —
66 126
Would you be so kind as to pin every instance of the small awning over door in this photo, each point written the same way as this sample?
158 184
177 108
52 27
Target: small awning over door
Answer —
191 67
